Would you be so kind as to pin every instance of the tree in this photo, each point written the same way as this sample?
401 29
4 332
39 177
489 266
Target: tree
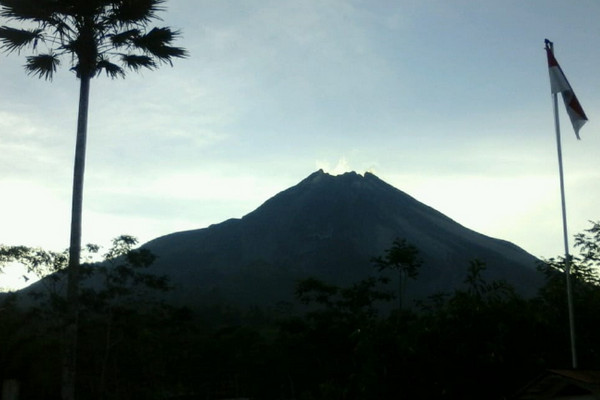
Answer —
330 351
43 314
92 34
588 244
120 298
585 281
122 289
404 258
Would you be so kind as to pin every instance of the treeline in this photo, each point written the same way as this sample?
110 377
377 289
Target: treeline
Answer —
483 340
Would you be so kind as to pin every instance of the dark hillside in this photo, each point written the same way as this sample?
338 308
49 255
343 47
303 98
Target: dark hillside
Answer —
329 227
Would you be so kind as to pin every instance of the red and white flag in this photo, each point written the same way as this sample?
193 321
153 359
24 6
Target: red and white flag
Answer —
560 84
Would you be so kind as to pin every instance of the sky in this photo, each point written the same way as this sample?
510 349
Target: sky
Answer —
447 100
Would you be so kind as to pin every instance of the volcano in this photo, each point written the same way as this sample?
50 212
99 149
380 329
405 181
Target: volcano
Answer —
329 227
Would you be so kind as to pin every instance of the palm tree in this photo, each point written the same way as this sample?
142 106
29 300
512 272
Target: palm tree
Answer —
95 36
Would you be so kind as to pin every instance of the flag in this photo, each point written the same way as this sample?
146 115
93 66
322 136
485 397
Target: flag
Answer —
560 84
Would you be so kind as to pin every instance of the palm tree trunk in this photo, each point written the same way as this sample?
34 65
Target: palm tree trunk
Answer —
72 312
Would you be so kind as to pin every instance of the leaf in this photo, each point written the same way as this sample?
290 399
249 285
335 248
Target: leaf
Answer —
112 70
135 12
13 39
91 31
124 38
28 10
157 42
42 65
135 62
156 37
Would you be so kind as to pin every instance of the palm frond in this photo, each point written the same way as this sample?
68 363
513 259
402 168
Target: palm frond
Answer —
83 9
60 27
167 53
156 37
112 70
42 65
13 39
28 10
90 31
136 62
123 38
157 43
135 12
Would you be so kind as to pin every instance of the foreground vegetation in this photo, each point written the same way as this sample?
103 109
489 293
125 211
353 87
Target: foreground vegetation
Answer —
356 342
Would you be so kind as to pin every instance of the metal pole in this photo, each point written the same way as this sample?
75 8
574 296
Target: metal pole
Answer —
565 233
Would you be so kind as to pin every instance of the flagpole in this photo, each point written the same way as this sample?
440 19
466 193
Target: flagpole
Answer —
564 220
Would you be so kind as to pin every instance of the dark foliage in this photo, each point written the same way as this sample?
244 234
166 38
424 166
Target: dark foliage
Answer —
92 33
481 340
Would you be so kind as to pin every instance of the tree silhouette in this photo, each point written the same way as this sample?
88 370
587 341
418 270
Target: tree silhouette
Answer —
404 258
93 35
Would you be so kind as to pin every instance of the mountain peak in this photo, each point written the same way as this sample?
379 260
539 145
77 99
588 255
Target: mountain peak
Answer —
321 173
330 227
321 176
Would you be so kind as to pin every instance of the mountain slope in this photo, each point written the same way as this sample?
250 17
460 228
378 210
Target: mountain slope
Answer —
329 227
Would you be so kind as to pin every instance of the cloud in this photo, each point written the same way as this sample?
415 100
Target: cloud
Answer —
339 168
448 103
33 214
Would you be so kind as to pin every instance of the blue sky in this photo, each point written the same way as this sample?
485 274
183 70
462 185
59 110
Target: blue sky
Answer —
448 101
